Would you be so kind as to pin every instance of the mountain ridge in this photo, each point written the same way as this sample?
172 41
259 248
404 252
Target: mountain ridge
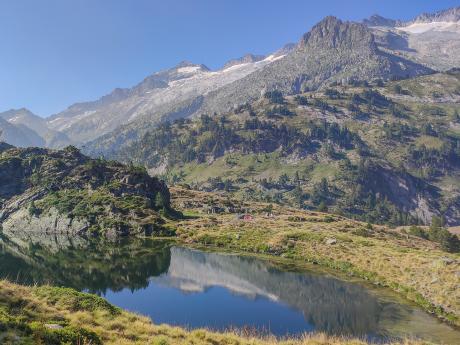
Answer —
334 53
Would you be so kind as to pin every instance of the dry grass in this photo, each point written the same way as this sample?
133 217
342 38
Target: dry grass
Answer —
42 305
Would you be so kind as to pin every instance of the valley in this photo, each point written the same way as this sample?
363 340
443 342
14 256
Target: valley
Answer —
307 196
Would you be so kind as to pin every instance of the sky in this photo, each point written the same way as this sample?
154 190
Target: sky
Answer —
54 53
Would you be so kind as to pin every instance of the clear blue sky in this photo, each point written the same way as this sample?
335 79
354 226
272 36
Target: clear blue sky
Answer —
57 52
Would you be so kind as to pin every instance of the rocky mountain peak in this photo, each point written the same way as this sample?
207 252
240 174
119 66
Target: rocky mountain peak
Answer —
248 58
448 15
188 64
16 112
377 20
286 49
331 32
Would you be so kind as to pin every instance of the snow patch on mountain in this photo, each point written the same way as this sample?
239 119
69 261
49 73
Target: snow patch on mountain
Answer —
418 28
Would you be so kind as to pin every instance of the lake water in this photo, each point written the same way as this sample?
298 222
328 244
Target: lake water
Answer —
194 289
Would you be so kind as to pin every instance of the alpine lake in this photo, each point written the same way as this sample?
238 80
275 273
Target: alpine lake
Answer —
217 290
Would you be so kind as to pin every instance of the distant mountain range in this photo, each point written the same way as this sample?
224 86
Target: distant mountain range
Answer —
333 51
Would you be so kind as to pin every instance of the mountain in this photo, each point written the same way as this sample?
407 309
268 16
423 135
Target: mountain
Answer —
386 152
172 93
377 20
23 128
65 192
429 39
248 58
372 134
449 15
333 51
19 134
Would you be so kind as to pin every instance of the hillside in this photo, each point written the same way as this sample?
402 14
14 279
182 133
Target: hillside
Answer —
46 191
385 152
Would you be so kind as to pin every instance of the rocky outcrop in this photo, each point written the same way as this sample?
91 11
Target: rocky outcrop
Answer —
46 191
50 222
448 15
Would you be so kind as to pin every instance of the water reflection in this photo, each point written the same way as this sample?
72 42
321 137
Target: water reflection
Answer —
199 289
86 265
329 304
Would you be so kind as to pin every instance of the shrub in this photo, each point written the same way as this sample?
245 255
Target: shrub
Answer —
418 231
274 96
301 100
160 341
397 89
322 207
364 232
449 242
66 335
33 210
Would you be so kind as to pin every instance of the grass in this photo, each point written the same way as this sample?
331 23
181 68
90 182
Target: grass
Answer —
51 315
429 142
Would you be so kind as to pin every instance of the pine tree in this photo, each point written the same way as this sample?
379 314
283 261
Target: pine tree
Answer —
160 201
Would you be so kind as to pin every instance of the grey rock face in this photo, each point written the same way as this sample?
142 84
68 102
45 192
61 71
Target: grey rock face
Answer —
30 175
332 51
430 39
49 223
448 15
158 96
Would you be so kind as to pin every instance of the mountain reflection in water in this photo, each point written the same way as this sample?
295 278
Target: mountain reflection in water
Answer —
192 288
329 304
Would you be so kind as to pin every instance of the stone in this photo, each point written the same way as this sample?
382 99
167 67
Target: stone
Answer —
447 261
331 241
53 326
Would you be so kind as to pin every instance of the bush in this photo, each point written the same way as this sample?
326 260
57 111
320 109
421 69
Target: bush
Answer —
418 231
33 210
322 207
76 301
301 100
280 110
449 242
397 89
274 96
160 341
363 232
